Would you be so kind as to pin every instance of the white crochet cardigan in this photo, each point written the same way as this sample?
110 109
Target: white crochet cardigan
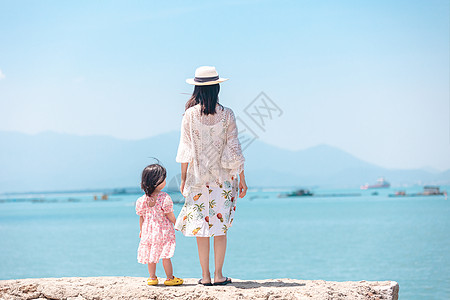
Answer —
210 144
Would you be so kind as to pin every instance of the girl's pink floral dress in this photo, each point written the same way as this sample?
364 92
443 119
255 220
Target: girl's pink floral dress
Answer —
157 235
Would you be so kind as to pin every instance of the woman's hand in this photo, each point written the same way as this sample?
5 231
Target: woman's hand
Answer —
242 188
242 185
182 186
140 232
184 167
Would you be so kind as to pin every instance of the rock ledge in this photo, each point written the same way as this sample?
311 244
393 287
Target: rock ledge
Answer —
95 288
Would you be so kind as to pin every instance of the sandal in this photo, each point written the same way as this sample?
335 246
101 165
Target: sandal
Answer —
174 281
225 282
205 284
151 281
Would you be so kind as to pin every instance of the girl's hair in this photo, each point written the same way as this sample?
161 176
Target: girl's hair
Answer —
152 176
207 96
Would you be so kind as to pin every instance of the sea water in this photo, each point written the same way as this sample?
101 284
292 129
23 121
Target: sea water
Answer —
366 237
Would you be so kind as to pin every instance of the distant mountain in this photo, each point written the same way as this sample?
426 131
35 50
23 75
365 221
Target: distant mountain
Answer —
53 161
324 165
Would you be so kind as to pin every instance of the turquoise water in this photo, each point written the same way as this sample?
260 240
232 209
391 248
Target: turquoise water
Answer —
330 238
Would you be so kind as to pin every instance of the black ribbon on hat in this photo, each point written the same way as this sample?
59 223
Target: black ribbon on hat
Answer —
205 79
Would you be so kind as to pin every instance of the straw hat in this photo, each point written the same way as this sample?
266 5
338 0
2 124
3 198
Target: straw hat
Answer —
205 76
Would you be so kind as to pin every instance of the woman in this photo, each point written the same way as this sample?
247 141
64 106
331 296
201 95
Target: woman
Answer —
211 161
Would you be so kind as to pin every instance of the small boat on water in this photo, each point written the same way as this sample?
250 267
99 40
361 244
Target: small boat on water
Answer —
298 193
307 193
398 193
381 183
428 190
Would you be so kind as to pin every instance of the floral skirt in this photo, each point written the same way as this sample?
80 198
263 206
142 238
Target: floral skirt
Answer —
209 211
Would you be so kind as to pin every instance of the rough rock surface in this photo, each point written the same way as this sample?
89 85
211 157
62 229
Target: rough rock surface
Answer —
79 288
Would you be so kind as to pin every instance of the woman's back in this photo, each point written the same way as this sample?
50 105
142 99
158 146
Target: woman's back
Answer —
210 144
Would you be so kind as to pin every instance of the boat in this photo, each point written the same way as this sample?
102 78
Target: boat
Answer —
381 183
400 193
298 193
431 190
304 192
428 190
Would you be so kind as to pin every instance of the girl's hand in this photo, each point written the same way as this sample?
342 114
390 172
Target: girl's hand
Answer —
140 234
242 187
171 217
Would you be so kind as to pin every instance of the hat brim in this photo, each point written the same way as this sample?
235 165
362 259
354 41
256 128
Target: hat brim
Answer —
193 82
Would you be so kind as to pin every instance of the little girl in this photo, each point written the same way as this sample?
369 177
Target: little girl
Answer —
156 221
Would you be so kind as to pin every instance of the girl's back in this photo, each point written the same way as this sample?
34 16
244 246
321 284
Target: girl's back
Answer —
156 224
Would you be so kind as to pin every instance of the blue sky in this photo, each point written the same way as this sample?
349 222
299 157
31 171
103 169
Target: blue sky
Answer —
369 77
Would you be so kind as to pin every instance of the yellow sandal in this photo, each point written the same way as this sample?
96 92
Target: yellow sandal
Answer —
151 281
174 281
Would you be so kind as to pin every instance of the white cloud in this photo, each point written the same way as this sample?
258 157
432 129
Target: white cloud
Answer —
2 76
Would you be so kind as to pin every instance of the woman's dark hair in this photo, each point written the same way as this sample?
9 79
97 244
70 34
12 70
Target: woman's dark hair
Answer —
207 96
152 176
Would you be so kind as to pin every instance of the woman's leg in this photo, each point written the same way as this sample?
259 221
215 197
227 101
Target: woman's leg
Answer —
220 247
203 254
167 264
152 270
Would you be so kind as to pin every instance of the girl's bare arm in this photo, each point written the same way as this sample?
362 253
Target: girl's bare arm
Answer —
171 217
141 220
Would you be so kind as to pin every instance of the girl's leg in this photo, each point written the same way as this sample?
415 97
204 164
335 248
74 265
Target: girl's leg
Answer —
203 254
220 247
152 270
167 264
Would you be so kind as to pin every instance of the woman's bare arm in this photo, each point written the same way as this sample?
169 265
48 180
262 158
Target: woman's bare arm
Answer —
184 167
